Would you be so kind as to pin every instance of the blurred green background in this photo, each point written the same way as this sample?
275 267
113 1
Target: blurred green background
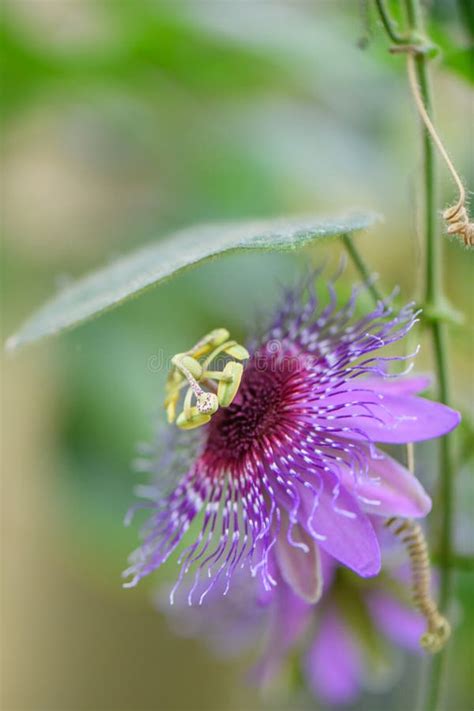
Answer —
121 120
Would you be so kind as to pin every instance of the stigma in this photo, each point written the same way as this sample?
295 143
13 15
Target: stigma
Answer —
206 387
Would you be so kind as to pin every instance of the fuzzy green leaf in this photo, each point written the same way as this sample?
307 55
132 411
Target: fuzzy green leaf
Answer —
133 273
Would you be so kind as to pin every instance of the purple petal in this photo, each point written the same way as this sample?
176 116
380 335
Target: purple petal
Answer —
342 530
400 623
333 663
397 386
389 489
300 564
328 569
291 615
398 419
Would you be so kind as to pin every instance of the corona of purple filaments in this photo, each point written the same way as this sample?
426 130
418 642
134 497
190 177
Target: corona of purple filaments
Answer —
292 465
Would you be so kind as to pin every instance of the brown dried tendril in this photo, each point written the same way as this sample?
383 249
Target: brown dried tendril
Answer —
456 216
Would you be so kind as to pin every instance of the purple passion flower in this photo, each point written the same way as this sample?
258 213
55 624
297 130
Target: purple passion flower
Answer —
291 465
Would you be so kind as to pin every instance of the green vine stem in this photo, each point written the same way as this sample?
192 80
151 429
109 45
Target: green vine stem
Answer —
458 561
362 268
389 25
417 42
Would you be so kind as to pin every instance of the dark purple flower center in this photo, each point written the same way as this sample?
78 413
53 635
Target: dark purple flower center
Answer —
256 413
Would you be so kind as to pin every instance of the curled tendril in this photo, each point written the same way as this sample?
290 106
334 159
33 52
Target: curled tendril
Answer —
438 628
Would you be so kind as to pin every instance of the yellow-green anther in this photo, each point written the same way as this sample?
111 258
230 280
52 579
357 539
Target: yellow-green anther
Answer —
192 419
176 359
218 336
174 375
209 342
229 385
171 409
190 370
237 351
174 380
184 362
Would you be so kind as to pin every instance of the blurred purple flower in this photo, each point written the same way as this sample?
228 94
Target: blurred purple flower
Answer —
291 465
347 652
345 643
228 624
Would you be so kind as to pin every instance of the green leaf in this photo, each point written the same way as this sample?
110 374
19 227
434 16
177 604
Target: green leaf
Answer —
466 11
461 62
455 57
133 273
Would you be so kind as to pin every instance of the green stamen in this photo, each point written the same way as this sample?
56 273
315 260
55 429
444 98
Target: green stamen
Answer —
188 371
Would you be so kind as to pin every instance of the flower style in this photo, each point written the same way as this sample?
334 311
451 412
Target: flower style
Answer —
291 466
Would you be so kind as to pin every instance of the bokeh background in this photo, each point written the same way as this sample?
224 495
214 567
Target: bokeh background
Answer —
122 120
